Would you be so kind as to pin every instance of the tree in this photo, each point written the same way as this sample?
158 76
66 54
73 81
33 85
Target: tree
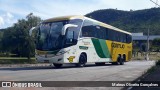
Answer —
132 21
1 35
16 39
156 44
32 21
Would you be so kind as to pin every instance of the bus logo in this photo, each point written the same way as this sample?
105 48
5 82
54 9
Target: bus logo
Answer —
116 45
70 59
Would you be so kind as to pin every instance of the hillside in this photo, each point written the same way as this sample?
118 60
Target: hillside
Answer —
132 21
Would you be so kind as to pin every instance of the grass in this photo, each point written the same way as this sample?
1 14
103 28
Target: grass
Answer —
12 58
152 56
16 60
153 68
158 62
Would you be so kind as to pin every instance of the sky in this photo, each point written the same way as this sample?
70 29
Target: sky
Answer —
12 10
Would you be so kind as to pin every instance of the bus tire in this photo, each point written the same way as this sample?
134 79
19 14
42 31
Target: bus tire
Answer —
57 65
121 61
100 64
118 62
82 60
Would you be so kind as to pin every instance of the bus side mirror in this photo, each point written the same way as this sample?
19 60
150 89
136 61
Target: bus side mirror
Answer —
30 31
67 26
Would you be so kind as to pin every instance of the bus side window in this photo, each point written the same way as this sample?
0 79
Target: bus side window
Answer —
124 38
85 31
114 35
88 31
118 36
107 37
109 34
101 32
97 31
128 38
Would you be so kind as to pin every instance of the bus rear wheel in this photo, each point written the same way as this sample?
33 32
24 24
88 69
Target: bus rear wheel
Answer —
82 60
57 65
120 61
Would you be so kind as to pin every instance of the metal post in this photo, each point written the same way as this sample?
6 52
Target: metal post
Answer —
156 3
147 55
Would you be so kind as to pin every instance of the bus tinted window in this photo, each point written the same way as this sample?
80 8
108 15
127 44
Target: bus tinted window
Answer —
106 29
100 32
91 29
88 29
118 36
77 29
128 38
112 35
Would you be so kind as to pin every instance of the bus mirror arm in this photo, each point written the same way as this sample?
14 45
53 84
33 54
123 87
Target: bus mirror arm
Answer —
30 31
66 27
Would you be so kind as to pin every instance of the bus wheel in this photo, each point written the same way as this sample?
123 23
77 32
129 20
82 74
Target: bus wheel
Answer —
121 61
57 65
100 64
82 60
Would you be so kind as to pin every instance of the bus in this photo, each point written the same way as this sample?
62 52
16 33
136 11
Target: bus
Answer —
80 40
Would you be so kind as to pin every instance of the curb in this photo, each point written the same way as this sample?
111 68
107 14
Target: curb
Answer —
23 65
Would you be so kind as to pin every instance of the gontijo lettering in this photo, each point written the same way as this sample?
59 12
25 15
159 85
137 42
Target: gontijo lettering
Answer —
116 45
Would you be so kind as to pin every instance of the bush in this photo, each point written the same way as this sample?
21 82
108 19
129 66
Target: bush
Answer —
16 61
158 62
4 54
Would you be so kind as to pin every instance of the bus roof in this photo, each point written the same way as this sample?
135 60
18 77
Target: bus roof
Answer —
64 18
83 17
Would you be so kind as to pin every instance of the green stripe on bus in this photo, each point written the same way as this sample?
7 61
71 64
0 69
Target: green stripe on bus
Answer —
98 48
104 48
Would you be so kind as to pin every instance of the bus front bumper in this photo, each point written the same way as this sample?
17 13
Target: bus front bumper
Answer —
55 59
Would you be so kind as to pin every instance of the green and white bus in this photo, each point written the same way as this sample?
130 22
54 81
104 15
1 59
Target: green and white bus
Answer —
80 40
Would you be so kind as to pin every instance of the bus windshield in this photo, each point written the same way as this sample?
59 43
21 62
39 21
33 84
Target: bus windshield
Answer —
49 35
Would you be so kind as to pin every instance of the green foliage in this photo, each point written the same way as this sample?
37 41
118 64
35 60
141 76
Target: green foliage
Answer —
1 35
132 21
158 62
16 39
156 44
16 61
152 69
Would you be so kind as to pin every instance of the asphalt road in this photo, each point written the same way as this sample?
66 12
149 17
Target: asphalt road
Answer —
128 72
